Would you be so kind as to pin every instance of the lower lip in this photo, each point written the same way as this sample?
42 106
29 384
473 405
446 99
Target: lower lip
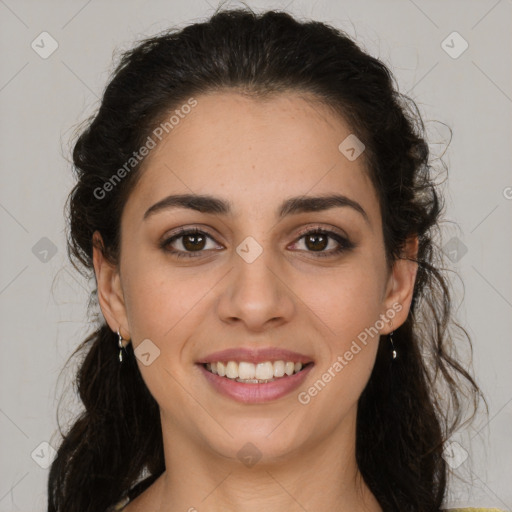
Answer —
251 393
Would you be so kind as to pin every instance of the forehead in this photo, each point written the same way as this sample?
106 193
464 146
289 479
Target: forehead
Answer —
254 153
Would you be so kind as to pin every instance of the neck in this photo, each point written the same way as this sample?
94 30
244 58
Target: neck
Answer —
322 475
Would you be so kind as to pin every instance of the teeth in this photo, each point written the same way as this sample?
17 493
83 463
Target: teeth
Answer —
232 370
254 373
264 371
246 371
278 368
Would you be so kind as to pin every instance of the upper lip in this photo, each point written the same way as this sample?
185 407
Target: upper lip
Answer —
253 355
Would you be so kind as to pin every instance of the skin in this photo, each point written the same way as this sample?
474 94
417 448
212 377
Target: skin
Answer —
255 154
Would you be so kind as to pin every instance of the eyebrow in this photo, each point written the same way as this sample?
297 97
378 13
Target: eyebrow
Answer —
292 205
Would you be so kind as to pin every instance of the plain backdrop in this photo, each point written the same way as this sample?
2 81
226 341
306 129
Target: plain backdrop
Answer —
43 300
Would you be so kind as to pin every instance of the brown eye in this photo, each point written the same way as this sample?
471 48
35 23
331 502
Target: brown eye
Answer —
193 242
190 240
317 240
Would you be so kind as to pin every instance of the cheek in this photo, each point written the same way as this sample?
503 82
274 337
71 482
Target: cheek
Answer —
165 309
346 301
346 310
158 297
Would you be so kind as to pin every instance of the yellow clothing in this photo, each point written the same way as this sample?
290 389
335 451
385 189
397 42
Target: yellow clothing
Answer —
473 510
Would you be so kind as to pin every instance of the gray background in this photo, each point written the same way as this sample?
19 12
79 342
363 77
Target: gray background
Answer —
43 301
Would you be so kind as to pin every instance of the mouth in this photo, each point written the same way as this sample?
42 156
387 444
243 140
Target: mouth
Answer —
255 383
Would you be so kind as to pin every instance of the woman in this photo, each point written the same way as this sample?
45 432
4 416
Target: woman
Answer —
255 200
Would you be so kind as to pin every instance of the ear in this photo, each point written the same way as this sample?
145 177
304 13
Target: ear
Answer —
110 293
400 286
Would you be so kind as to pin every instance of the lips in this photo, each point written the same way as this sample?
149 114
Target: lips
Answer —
250 393
253 355
253 391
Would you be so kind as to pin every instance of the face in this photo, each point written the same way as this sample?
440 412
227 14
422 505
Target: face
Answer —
260 273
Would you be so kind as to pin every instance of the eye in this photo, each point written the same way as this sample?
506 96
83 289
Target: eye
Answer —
317 240
191 241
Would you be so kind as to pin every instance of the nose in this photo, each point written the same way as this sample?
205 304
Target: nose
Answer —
256 294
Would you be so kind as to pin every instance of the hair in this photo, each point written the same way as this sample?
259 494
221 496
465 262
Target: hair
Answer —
114 448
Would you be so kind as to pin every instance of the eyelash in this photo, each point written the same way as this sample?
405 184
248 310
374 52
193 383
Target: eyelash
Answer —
344 243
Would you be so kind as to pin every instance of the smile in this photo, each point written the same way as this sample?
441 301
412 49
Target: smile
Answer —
265 382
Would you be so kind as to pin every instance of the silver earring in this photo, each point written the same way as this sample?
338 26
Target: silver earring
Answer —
120 345
394 352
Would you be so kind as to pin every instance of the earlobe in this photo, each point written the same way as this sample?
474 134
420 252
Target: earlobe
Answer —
110 293
401 285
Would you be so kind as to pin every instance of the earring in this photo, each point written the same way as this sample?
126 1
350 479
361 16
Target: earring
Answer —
394 352
121 345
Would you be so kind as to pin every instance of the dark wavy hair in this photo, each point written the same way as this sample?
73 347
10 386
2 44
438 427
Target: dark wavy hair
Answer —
114 448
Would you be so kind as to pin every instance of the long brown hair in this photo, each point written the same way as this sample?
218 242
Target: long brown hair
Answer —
401 425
